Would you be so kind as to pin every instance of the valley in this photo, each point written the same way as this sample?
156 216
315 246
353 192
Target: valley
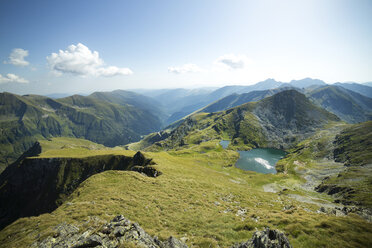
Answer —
184 182
186 124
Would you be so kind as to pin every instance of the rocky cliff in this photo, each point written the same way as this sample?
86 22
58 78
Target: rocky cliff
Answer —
33 186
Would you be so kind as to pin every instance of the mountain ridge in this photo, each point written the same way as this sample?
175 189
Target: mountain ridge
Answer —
30 117
279 121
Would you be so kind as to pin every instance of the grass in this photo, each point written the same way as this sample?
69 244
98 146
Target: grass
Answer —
77 148
197 197
347 143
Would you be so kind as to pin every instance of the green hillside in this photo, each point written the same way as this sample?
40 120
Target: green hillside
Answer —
25 119
123 97
199 198
234 100
279 121
320 197
347 105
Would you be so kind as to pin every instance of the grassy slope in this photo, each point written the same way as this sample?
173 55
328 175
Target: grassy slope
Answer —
348 105
349 144
197 197
25 119
238 125
354 145
354 148
123 97
280 121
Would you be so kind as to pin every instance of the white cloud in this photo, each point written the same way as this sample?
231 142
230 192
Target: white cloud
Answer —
233 61
12 78
17 57
113 70
187 68
80 60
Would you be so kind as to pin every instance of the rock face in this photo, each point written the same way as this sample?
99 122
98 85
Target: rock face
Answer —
120 232
34 186
266 239
147 170
140 160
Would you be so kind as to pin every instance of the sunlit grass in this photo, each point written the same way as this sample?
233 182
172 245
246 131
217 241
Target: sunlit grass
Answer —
198 198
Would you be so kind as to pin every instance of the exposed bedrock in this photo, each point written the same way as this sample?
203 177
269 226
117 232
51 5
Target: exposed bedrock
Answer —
33 186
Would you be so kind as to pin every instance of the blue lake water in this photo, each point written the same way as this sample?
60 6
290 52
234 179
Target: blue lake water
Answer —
224 143
261 160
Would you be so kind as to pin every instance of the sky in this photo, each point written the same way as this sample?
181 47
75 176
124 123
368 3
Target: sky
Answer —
83 46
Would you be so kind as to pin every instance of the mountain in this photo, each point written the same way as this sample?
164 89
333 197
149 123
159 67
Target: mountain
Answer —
179 103
200 197
365 90
234 100
24 119
280 121
124 98
304 83
59 95
228 90
346 104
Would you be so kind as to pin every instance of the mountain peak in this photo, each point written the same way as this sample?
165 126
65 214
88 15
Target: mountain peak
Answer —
306 82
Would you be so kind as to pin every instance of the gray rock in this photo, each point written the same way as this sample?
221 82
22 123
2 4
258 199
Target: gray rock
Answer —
173 243
119 231
147 170
267 238
65 230
91 241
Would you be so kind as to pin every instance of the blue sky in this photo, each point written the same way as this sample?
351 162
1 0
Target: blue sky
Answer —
108 45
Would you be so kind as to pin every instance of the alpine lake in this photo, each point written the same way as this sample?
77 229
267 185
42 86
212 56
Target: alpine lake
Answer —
260 160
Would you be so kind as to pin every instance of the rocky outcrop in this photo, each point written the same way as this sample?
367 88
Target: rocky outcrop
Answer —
119 232
140 160
267 238
39 185
34 150
147 170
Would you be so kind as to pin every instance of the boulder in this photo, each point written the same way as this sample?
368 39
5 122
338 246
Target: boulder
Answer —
173 243
267 238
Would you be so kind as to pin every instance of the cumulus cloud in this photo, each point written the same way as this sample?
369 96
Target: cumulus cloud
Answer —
80 60
187 68
113 70
12 78
17 57
233 61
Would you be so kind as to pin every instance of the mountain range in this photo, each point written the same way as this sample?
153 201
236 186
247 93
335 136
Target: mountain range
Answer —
279 121
348 105
24 119
179 103
121 117
182 182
